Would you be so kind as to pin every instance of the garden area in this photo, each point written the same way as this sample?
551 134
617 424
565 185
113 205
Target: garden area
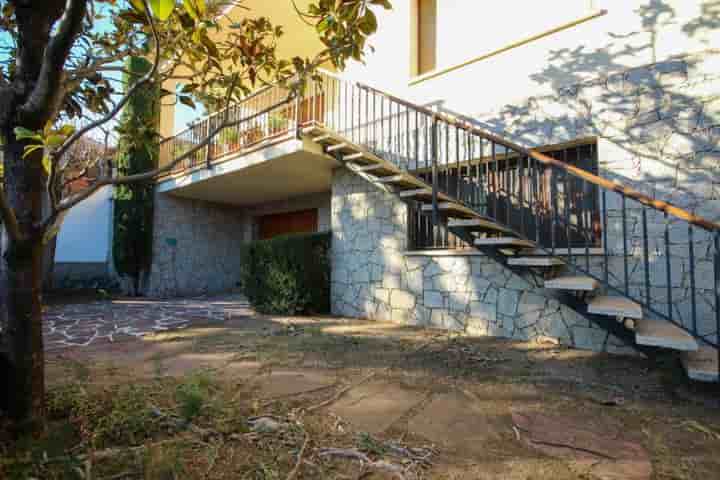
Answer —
229 393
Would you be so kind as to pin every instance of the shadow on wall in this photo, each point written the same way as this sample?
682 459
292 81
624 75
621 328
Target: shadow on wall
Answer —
660 124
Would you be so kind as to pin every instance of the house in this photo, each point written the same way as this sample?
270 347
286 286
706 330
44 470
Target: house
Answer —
81 254
511 170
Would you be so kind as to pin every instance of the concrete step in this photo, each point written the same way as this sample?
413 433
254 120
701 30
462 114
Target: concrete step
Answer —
353 156
535 261
661 333
400 179
371 168
511 242
577 282
450 208
615 307
702 364
422 193
476 223
340 147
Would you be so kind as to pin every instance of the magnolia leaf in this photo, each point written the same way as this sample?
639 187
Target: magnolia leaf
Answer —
54 140
22 133
368 24
187 101
30 149
191 9
162 8
138 5
67 130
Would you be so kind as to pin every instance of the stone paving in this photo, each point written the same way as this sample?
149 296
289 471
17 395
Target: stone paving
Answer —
108 321
486 418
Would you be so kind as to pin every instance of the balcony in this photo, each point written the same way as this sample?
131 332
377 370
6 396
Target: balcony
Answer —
259 158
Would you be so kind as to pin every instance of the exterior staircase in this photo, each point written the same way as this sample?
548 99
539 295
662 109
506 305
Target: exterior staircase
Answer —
517 205
582 280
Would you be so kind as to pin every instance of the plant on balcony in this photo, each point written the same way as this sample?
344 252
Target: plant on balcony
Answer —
278 122
251 135
227 141
61 63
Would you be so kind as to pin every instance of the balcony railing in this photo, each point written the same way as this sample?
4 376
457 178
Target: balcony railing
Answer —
262 117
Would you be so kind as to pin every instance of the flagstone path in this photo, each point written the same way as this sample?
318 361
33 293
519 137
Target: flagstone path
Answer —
108 321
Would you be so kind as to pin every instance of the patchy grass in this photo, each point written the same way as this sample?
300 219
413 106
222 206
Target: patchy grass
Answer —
188 405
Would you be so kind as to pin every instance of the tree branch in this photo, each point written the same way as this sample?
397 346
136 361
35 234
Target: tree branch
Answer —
47 92
73 200
118 106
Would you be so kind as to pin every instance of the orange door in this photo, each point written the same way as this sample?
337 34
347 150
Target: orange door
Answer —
304 221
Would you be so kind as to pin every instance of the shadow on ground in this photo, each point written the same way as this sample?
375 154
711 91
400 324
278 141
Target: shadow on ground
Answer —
487 405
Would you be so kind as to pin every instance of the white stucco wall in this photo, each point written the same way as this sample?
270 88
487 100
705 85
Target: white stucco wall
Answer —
631 34
85 235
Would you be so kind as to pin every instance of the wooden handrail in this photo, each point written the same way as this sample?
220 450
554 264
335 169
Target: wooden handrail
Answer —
628 192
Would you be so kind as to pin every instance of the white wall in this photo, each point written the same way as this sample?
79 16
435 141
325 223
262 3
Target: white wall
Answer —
85 235
631 34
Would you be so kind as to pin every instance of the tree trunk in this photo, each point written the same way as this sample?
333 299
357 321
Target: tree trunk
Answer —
23 269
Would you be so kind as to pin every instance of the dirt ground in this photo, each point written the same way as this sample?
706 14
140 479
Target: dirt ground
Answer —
254 397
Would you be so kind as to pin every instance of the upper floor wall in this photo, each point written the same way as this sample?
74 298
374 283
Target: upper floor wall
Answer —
487 55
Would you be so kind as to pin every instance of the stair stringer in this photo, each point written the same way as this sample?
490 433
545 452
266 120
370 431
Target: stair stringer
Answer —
575 303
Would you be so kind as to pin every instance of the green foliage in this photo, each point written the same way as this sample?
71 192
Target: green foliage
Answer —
289 274
138 152
192 395
111 417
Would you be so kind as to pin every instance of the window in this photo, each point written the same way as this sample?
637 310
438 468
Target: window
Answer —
426 36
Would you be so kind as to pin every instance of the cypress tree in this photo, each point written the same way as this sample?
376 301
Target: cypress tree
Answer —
138 151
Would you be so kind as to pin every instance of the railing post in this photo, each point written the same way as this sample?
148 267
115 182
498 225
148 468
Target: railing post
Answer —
434 153
717 297
298 103
208 149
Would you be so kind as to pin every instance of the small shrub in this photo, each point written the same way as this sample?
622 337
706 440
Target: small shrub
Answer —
288 275
192 395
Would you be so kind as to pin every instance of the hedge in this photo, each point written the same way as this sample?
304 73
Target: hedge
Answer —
288 275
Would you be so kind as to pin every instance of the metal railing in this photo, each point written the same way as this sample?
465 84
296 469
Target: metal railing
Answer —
261 117
658 255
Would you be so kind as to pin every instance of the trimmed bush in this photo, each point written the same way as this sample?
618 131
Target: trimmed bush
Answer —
288 275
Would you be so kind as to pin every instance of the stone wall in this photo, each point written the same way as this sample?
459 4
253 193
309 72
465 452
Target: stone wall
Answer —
373 277
196 247
657 129
83 275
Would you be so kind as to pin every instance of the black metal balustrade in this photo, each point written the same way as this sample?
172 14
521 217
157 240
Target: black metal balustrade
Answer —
653 253
659 256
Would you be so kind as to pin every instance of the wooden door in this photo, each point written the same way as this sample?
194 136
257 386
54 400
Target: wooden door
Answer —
303 221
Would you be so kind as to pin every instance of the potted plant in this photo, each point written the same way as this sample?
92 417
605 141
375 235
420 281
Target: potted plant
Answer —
277 122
